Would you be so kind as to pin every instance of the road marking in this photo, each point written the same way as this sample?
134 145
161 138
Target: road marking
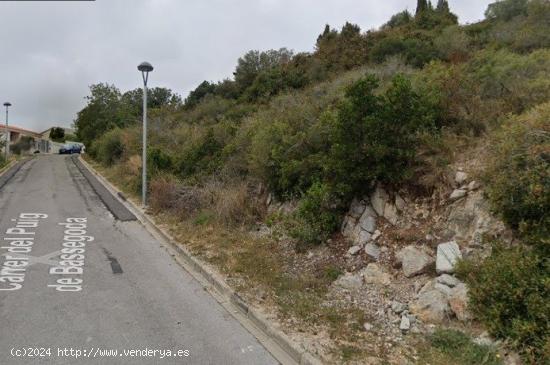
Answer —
21 241
45 259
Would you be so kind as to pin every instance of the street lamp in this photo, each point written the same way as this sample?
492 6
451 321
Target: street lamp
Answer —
7 105
145 68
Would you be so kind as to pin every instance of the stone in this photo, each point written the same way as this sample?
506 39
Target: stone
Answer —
367 326
367 221
390 213
484 340
443 288
375 235
399 203
348 226
398 307
360 236
447 280
405 324
353 250
447 256
378 200
457 194
372 250
414 261
458 301
356 208
431 306
473 185
373 274
461 177
349 281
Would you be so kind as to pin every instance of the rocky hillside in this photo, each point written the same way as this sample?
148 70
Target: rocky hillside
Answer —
383 198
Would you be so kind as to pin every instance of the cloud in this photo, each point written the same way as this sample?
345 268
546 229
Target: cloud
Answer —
52 51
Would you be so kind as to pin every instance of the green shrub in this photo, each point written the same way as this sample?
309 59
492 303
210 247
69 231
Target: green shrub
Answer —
316 217
519 82
510 294
417 49
159 160
109 147
203 157
518 178
461 349
374 137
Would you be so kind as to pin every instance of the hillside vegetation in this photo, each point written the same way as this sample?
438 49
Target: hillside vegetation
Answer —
395 106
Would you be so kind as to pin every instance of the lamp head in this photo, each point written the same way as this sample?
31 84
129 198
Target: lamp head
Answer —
6 104
145 67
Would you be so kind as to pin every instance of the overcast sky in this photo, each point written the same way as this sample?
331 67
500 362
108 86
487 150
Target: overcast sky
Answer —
50 52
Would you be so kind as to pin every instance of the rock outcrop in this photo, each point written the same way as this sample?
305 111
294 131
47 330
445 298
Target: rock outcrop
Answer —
414 261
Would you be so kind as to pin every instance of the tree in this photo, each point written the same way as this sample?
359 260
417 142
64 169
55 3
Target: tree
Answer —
341 50
100 114
506 9
442 6
399 19
254 62
421 6
200 92
57 134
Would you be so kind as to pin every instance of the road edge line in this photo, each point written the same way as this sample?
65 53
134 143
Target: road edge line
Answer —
273 339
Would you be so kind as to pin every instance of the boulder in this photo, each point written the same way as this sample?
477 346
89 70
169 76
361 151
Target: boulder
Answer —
378 200
398 307
372 250
457 194
447 280
367 221
447 256
461 177
413 261
375 235
353 250
405 324
356 208
443 288
473 185
360 236
348 226
349 281
399 203
458 301
390 213
373 274
431 306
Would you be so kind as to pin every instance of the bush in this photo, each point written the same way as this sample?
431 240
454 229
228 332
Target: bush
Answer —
510 294
109 148
202 157
316 217
159 160
23 145
461 349
518 182
374 138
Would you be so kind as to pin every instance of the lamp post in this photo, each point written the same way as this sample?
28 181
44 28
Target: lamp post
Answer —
7 105
145 68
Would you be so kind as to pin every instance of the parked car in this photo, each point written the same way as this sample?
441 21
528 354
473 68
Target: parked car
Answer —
70 149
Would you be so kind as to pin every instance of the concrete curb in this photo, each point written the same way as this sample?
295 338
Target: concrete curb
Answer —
10 170
274 340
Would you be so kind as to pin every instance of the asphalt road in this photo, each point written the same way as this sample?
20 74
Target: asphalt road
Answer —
118 289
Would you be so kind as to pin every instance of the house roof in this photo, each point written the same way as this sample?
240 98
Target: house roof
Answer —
14 128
